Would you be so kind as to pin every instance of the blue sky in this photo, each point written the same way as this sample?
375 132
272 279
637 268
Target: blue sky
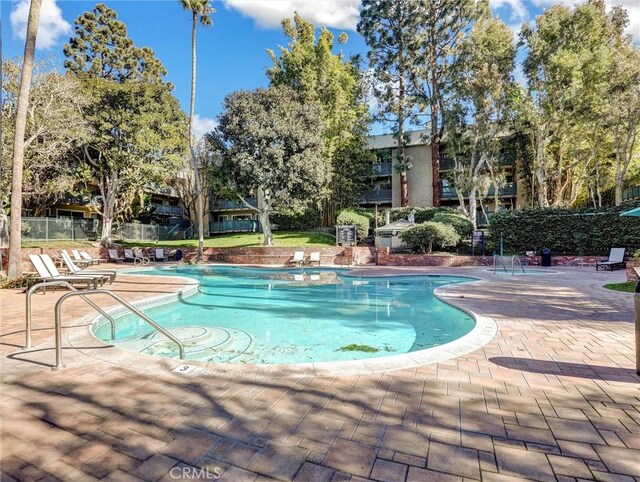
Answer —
231 54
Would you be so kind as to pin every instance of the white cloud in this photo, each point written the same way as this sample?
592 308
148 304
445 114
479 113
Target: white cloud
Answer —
202 126
518 9
327 13
50 28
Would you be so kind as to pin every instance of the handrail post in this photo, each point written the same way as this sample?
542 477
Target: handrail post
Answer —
58 335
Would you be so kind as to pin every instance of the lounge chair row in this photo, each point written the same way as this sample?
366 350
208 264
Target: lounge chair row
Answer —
137 256
298 258
47 270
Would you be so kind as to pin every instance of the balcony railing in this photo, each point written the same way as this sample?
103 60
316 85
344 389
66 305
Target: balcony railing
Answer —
235 226
505 158
508 189
631 193
168 210
383 169
229 204
375 196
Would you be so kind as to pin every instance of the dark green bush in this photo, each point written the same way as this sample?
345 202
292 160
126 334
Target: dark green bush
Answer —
292 221
349 216
423 214
424 237
459 221
565 231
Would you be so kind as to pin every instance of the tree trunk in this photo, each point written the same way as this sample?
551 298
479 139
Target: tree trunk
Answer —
263 216
14 268
472 206
404 189
194 159
404 182
435 133
108 213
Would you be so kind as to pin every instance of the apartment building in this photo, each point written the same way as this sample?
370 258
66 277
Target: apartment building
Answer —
386 190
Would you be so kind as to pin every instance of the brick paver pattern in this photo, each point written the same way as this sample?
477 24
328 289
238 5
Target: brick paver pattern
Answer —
553 397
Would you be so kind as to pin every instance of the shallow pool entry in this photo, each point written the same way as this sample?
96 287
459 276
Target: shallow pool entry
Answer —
262 316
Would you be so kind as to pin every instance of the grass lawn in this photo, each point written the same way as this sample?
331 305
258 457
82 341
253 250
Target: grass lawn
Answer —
57 244
628 287
280 238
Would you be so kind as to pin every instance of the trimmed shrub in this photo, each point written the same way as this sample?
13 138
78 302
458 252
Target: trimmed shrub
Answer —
291 221
423 214
459 221
424 237
565 231
349 216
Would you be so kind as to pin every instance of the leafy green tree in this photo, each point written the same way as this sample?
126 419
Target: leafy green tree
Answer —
309 66
271 143
54 128
479 107
201 11
425 236
389 29
138 130
442 24
14 266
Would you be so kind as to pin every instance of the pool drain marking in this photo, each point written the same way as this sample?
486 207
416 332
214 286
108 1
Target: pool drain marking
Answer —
183 369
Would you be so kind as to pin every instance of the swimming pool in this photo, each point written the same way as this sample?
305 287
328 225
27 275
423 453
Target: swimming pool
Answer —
269 316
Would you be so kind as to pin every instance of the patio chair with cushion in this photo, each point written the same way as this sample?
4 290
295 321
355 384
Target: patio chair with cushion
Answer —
88 257
297 259
314 258
139 255
159 254
615 260
113 256
109 274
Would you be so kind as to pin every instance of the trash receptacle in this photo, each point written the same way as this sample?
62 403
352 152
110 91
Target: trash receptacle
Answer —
546 257
179 255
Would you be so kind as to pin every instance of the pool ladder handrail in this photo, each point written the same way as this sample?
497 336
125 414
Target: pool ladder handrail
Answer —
495 263
83 295
513 264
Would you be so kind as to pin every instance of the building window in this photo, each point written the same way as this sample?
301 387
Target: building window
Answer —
65 213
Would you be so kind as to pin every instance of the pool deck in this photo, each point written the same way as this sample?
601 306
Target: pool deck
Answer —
553 396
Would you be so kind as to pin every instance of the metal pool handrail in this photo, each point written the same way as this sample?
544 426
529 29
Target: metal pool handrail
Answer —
513 264
43 286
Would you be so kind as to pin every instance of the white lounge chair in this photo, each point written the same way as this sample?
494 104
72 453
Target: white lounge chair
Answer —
88 257
297 259
298 277
159 255
314 258
139 255
615 260
79 259
45 275
109 274
113 256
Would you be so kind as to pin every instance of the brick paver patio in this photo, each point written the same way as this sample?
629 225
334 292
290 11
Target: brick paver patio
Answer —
553 396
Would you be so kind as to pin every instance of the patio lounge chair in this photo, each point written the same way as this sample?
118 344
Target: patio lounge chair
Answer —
159 254
79 259
88 257
615 260
45 275
113 256
314 258
109 274
139 255
297 259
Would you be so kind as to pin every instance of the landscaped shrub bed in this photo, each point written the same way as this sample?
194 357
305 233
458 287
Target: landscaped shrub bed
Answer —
350 216
565 231
422 214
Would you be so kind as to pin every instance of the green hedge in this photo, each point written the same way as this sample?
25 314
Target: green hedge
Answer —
565 231
350 216
422 214
425 236
459 221
304 221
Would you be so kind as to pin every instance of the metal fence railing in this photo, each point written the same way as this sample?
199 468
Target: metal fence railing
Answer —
74 229
235 226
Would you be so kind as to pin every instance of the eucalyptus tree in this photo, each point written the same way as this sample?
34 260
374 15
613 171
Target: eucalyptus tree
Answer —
14 267
138 130
442 26
480 106
271 144
389 28
309 66
55 127
201 11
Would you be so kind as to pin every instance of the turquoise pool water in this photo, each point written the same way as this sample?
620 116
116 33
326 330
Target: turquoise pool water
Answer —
250 315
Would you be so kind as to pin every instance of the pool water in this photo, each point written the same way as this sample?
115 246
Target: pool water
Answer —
257 316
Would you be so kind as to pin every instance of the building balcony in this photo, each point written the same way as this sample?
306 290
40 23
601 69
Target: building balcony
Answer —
505 158
382 169
375 196
508 190
168 210
631 193
228 204
235 226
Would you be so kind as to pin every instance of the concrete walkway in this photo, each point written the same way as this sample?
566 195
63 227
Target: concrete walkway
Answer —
553 396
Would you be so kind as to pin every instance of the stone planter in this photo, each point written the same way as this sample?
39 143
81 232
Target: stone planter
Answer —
631 273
